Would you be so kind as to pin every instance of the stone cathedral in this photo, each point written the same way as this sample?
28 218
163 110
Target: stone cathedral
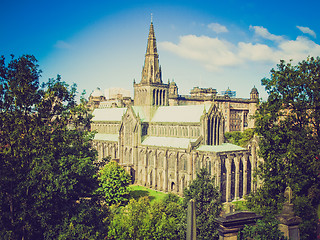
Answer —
163 138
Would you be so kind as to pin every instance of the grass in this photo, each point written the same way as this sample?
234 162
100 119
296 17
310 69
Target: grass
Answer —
140 191
240 205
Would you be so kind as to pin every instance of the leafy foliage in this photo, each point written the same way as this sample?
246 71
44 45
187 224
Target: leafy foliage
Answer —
114 184
289 126
89 221
46 161
142 220
265 229
208 204
240 138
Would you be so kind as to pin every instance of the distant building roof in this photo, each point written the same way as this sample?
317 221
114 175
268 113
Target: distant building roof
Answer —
189 113
168 142
107 137
116 92
168 114
225 147
97 93
108 114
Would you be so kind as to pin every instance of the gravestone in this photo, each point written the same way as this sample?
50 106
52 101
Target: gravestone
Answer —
231 223
289 223
191 221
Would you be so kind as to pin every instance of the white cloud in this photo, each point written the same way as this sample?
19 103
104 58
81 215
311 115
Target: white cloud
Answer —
216 53
218 28
299 49
264 33
307 31
62 45
211 52
256 52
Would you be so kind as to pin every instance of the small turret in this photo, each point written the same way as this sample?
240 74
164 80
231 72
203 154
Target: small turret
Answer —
173 90
95 98
254 94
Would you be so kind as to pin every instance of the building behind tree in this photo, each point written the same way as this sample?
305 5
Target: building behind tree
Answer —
164 138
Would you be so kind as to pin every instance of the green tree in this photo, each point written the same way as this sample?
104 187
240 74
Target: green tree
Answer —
208 204
46 162
89 220
240 138
288 124
166 218
140 219
114 183
264 229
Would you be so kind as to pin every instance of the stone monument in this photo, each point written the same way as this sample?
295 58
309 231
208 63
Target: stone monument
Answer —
232 223
289 223
191 221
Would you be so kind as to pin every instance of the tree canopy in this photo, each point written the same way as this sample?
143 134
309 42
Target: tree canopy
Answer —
208 204
140 219
45 152
288 124
114 184
240 138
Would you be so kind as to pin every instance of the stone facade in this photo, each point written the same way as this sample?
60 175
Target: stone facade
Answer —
95 98
114 98
163 139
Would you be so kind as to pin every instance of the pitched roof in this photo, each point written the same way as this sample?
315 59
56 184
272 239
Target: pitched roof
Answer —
225 147
138 110
168 142
188 113
106 137
108 114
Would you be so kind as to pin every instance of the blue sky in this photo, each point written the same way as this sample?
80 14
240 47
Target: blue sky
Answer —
216 44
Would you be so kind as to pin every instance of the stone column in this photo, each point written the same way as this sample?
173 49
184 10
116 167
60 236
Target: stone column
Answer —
146 167
159 98
253 167
155 170
165 177
218 131
204 129
208 133
176 167
194 159
190 167
245 174
218 169
136 162
221 131
215 140
251 175
237 169
228 185
242 121
163 97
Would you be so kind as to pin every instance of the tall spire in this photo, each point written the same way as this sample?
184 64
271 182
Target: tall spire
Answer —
151 72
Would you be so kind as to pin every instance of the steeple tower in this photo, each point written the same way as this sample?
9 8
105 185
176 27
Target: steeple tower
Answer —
151 72
151 91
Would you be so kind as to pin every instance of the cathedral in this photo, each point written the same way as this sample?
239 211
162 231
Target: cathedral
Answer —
163 138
